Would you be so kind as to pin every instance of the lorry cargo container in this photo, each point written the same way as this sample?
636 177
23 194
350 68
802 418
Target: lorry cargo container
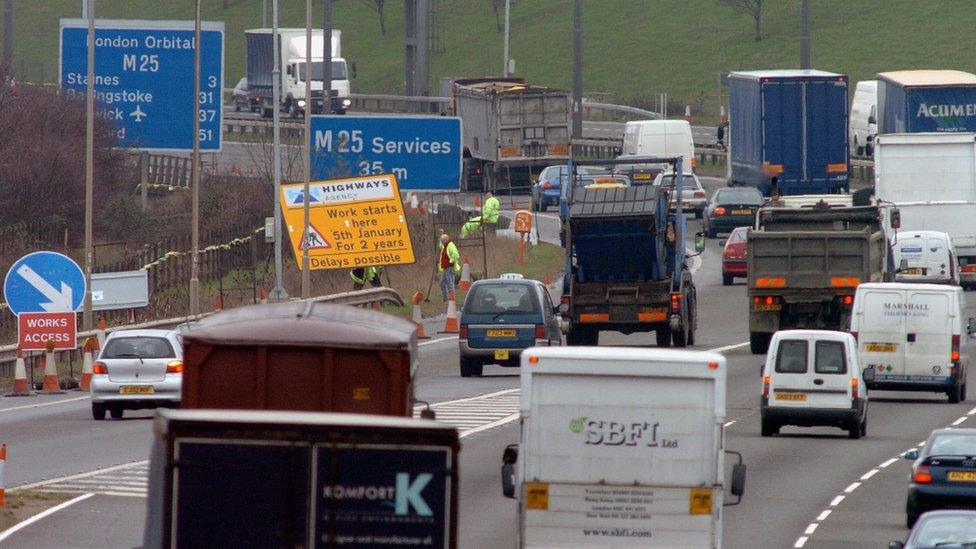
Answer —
926 101
301 356
643 468
511 131
791 125
931 179
804 265
260 53
221 478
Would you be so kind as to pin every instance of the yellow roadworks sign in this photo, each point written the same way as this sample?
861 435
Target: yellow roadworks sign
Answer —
353 222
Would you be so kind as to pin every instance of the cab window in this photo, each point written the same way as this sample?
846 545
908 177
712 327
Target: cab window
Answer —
830 358
791 358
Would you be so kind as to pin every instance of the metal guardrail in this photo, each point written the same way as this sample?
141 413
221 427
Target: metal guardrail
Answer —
616 113
359 297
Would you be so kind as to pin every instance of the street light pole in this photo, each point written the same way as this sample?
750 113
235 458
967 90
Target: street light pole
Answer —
805 35
306 275
195 200
279 293
86 317
577 69
508 7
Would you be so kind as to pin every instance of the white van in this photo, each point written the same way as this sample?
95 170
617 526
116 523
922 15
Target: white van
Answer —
925 256
658 138
813 378
914 336
864 118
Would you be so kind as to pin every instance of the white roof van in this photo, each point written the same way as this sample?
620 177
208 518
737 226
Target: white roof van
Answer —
864 118
659 138
925 256
913 336
813 378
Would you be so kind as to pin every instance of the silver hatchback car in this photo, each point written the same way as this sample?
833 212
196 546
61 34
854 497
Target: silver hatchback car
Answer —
137 369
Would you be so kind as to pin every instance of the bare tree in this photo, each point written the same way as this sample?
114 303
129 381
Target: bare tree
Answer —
377 6
752 7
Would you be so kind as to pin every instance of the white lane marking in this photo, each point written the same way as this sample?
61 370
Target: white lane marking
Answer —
79 475
836 501
28 406
869 474
732 347
853 486
468 399
811 528
800 542
491 425
887 463
960 420
21 525
437 340
824 514
730 422
971 412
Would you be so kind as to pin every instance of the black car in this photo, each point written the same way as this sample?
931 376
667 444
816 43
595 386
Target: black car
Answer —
729 208
944 473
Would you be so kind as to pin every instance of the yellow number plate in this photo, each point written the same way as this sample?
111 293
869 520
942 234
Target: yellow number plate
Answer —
880 347
962 476
136 390
741 212
912 271
501 354
501 333
794 397
642 176
762 307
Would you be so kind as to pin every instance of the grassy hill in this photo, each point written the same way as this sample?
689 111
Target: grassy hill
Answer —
634 48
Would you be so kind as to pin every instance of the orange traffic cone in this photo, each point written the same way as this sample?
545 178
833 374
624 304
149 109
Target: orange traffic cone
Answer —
101 332
418 317
451 322
477 201
262 296
3 460
217 305
52 385
86 364
465 282
21 388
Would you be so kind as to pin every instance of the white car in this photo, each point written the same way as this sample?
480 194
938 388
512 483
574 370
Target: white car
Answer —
693 196
137 369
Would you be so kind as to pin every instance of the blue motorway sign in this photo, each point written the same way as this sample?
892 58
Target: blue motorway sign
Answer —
144 80
424 152
44 282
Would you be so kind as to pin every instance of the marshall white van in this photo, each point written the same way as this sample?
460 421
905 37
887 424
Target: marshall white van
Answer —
914 336
925 256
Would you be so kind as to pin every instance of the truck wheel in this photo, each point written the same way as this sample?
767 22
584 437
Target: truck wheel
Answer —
854 431
727 279
955 394
768 428
864 426
471 367
98 411
680 338
663 337
759 342
267 113
582 336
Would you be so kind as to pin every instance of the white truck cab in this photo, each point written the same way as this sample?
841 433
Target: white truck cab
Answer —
913 336
620 447
814 378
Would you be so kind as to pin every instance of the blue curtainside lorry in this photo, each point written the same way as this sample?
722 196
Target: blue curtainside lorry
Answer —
625 261
926 101
791 125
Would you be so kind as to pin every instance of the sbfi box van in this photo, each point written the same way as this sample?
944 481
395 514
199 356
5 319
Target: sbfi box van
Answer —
913 336
657 138
864 117
925 256
813 378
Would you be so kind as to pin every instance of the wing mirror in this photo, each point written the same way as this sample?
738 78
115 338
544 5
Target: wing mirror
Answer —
699 242
971 326
868 374
896 545
911 454
872 120
738 485
509 458
352 66
895 218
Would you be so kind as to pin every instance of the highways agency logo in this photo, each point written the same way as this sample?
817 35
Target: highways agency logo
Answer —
576 425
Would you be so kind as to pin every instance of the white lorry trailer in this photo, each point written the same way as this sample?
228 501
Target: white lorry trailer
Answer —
931 178
620 448
260 53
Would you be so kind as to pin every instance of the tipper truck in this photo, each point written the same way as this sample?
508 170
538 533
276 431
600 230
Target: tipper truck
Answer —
804 265
926 101
644 467
260 53
511 130
625 260
792 125
931 179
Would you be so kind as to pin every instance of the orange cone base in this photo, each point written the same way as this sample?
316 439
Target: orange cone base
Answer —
464 285
51 386
451 326
421 333
85 384
21 389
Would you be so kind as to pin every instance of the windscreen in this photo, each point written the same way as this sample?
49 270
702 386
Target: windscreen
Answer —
318 68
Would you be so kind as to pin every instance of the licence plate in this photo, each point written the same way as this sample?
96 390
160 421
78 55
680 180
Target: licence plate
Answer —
642 176
880 347
136 390
962 476
913 271
742 212
764 307
793 397
501 333
501 354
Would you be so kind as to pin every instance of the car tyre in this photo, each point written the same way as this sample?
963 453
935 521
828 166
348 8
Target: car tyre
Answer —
727 279
711 233
663 337
471 367
759 342
911 516
98 411
768 428
116 412
542 205
698 214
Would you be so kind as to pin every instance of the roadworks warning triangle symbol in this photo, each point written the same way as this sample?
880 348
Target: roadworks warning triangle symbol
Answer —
314 240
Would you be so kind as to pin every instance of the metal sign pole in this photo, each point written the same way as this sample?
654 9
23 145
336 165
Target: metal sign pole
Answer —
86 317
306 272
279 293
195 183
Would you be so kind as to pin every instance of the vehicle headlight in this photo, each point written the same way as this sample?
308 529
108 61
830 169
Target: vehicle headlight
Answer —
301 103
346 102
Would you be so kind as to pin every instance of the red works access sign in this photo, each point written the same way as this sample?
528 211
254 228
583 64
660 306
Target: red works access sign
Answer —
34 330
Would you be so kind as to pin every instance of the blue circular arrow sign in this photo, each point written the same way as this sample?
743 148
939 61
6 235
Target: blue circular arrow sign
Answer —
43 282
